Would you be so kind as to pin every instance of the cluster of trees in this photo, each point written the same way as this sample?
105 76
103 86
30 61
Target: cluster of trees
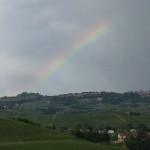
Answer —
88 132
24 120
134 113
138 141
92 136
141 141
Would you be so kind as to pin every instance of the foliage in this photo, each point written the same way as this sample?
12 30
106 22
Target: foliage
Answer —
92 136
139 142
26 121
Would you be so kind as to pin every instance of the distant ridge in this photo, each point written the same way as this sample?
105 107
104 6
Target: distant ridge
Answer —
24 94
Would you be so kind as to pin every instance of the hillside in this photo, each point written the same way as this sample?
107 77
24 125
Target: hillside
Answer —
96 109
16 135
58 145
14 131
100 108
73 102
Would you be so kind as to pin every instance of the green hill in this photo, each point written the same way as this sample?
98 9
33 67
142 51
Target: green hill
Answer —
57 145
14 131
34 103
113 118
16 135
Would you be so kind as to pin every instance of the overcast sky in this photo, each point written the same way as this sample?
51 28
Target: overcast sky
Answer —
34 32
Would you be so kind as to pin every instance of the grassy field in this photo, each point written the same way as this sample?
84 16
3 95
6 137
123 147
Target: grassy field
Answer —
16 135
115 118
99 119
14 131
57 145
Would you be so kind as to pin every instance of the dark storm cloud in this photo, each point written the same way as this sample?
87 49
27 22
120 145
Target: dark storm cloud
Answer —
32 32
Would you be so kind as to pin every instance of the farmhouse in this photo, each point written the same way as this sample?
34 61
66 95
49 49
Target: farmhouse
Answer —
111 132
121 137
134 132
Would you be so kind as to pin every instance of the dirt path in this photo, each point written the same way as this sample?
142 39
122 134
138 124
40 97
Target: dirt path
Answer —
52 121
119 117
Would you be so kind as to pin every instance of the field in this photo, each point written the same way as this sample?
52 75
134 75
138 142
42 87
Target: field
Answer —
16 135
114 118
14 131
70 110
57 145
99 119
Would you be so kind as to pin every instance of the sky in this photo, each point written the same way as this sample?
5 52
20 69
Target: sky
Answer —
66 46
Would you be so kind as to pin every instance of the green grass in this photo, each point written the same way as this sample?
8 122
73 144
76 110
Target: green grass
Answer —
16 135
11 131
57 145
98 119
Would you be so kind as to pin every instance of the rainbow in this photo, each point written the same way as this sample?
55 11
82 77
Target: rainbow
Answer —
85 40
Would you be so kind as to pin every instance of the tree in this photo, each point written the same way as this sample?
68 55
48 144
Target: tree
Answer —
140 142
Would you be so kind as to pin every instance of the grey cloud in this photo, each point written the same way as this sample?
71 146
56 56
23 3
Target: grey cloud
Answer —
34 32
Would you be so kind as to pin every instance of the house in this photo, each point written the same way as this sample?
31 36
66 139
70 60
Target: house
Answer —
101 131
121 137
111 132
134 132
